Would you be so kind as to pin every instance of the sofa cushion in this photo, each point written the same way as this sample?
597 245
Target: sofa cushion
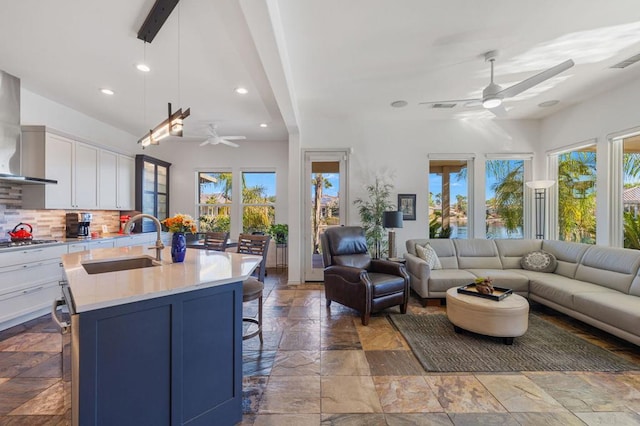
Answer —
504 278
561 290
446 252
614 308
609 267
429 255
477 254
512 250
539 260
567 254
442 280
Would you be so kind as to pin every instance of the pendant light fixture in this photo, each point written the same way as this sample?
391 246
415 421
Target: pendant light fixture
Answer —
170 126
173 124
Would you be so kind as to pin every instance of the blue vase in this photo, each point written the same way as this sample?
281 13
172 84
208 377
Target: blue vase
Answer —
178 247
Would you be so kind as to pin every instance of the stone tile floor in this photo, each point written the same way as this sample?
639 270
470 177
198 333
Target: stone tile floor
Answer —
320 366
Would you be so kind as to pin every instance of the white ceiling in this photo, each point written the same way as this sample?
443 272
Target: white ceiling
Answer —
335 58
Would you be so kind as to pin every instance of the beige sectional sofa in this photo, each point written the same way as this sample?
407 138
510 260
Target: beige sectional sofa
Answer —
597 285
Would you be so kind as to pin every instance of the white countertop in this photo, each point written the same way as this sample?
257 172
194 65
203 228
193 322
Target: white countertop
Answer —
200 269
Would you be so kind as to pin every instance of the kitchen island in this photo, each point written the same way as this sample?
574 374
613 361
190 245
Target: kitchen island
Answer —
157 345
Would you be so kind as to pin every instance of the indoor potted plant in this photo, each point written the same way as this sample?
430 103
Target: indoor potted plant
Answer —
279 232
371 211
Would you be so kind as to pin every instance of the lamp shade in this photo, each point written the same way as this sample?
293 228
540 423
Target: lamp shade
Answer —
392 219
540 184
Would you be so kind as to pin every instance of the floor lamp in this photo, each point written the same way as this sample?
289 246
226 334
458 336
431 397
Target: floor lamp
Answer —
392 220
540 188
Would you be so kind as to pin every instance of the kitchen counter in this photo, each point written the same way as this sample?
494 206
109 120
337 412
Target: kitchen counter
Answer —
200 269
157 345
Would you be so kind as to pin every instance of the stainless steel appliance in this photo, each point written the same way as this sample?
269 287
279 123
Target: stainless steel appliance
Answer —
10 244
11 133
78 225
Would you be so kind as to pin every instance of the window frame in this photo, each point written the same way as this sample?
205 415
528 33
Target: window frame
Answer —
198 204
528 212
553 217
616 184
242 204
470 159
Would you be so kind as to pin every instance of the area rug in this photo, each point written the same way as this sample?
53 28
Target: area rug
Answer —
544 347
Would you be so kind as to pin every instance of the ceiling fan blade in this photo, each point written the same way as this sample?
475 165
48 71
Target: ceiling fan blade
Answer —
233 138
518 88
226 142
499 111
450 101
207 142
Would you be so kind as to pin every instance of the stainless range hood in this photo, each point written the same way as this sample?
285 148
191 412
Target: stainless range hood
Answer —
10 133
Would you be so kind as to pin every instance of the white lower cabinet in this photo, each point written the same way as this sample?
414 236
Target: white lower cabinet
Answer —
136 239
30 277
29 282
90 245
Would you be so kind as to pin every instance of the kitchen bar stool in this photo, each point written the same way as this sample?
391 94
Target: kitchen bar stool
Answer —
252 287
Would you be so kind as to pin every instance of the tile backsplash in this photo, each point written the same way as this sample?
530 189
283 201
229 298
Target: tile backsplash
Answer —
45 223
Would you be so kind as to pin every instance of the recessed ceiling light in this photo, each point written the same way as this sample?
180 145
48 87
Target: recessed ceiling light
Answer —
107 91
264 125
399 104
241 91
143 67
548 103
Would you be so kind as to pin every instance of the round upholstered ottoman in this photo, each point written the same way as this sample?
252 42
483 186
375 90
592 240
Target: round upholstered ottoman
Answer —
507 318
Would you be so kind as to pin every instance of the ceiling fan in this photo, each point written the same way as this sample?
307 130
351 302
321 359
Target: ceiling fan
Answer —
494 94
215 139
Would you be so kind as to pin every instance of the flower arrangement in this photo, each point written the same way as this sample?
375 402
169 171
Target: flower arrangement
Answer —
180 223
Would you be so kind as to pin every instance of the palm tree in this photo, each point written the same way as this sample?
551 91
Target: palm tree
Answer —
319 183
631 231
509 193
576 196
256 218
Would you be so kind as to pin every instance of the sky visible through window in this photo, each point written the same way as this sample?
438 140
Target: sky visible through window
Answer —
334 180
266 180
458 187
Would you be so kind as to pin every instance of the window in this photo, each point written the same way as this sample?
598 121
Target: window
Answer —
631 192
504 198
577 195
214 201
448 198
258 201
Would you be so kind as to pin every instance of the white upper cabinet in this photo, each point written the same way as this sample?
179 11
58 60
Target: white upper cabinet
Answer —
126 178
73 164
85 183
89 178
116 181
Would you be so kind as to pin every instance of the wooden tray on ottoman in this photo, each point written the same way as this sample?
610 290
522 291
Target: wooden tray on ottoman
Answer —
499 293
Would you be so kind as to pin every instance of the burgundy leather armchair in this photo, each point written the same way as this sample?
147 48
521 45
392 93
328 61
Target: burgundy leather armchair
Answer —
353 279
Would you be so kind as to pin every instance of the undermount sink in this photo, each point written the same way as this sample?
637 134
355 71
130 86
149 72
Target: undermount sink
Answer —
113 265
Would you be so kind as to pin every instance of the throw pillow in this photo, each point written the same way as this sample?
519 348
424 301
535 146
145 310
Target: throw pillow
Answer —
539 261
427 253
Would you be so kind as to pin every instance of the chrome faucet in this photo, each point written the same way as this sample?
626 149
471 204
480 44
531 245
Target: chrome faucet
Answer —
159 246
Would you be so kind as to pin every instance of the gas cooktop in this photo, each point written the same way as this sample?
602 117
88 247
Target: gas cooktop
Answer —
7 244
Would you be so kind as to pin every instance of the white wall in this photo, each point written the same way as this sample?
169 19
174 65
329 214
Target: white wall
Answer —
187 158
37 110
400 149
596 118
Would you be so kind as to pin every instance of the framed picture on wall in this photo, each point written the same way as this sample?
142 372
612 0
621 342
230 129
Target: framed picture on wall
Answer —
407 205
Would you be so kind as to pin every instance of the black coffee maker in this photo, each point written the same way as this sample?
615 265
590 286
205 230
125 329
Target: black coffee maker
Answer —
78 225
